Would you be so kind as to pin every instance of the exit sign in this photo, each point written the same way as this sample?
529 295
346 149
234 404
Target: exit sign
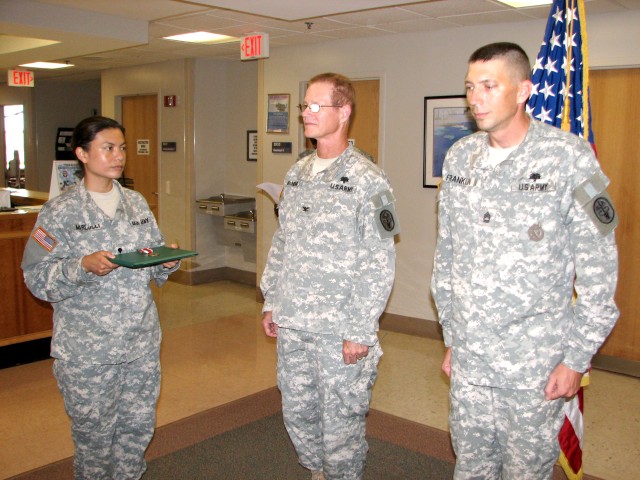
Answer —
254 46
20 78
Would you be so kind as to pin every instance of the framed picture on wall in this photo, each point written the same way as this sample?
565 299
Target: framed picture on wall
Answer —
446 120
278 112
252 145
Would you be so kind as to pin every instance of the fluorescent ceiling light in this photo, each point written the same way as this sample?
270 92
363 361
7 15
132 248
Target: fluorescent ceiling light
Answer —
47 65
525 3
202 37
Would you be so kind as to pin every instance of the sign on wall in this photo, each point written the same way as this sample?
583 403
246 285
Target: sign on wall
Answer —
143 147
20 78
253 46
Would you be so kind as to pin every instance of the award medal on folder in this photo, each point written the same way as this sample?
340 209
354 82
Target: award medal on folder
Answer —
146 257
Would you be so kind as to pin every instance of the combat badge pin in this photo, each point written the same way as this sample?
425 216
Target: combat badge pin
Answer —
536 233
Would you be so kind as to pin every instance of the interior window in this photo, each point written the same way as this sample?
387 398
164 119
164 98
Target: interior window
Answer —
13 141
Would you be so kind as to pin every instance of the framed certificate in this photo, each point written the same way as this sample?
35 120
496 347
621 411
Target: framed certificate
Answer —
278 112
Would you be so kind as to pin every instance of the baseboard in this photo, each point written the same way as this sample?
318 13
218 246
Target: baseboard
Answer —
197 277
418 327
616 365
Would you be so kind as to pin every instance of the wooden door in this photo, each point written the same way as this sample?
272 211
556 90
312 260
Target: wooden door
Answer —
365 122
615 102
140 120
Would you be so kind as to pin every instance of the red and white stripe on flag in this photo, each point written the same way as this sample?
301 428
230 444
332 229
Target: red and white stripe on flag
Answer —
571 436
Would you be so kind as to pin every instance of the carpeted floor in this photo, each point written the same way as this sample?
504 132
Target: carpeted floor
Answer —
245 440
261 450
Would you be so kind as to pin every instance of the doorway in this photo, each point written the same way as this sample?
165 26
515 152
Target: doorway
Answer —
615 102
140 120
12 145
365 122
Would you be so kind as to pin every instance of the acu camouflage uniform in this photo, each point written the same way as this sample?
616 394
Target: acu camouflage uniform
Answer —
328 277
106 333
511 239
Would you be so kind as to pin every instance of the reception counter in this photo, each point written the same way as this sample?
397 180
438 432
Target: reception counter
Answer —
21 197
22 316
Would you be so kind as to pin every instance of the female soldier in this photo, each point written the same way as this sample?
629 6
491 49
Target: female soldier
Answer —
106 333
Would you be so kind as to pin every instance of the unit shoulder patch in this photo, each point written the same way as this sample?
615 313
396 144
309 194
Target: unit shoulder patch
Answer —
596 202
385 214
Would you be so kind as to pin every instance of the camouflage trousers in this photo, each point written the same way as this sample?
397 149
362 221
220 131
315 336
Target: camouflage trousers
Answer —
112 410
502 433
324 402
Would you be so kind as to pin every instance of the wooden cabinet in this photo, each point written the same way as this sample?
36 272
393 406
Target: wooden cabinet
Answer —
22 316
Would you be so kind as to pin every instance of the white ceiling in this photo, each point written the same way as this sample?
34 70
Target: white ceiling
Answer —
99 34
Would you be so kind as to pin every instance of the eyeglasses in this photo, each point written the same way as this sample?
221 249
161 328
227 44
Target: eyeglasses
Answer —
314 107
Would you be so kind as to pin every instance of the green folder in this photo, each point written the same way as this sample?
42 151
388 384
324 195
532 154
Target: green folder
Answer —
160 255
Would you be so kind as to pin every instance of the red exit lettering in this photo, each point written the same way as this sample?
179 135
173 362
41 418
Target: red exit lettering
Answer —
21 78
254 46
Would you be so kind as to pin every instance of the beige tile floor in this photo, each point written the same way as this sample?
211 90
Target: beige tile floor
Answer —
214 352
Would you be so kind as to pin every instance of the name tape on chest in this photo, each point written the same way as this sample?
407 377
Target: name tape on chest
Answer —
385 214
592 196
460 180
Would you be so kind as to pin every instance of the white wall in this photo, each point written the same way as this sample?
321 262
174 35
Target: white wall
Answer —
225 108
411 67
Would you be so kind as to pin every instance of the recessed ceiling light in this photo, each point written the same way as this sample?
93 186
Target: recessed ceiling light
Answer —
525 3
202 37
47 65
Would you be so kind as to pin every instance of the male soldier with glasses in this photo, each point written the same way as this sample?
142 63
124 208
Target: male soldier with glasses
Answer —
327 280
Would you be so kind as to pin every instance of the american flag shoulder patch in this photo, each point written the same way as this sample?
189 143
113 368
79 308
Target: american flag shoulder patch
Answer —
45 240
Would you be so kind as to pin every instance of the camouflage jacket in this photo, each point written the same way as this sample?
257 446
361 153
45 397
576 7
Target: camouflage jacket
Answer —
332 260
97 319
511 240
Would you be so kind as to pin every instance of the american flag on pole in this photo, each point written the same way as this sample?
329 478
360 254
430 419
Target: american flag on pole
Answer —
560 97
